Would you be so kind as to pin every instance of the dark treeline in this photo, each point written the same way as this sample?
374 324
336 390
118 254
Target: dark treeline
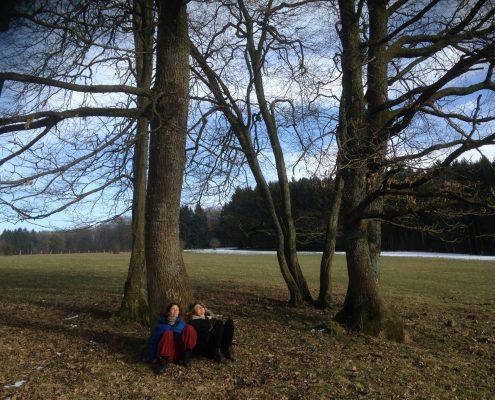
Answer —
244 223
111 237
194 231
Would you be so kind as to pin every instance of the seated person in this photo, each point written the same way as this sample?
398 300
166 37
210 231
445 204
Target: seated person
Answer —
171 340
214 336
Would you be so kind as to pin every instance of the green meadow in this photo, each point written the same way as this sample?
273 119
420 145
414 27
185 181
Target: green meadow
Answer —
59 333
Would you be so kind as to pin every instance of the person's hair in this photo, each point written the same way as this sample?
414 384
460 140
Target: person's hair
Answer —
169 306
191 308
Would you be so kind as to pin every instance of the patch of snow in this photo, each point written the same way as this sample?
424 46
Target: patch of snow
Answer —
422 254
74 316
425 254
16 385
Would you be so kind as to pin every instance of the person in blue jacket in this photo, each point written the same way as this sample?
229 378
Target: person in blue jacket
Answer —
171 340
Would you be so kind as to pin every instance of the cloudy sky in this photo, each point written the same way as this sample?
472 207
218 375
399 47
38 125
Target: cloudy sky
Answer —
278 85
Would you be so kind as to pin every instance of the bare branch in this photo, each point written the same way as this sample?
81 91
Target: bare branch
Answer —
13 76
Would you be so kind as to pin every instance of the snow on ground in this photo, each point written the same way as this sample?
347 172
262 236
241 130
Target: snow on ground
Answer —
230 250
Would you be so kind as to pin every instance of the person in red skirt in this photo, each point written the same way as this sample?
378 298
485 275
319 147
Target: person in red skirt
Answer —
172 340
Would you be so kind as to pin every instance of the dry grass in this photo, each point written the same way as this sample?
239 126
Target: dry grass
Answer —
447 306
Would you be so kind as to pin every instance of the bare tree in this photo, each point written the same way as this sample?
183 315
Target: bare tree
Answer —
417 58
135 301
332 226
233 45
67 139
60 139
167 278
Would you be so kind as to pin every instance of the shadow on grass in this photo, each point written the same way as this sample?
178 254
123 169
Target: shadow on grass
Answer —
95 312
130 347
267 305
103 328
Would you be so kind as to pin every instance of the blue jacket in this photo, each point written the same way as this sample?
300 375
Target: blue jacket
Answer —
159 330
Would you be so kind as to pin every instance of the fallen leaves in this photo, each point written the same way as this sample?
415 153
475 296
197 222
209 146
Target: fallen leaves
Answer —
278 354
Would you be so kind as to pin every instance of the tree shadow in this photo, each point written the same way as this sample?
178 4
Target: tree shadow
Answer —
130 347
70 308
250 303
270 307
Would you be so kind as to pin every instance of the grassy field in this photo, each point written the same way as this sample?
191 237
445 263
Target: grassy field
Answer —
58 333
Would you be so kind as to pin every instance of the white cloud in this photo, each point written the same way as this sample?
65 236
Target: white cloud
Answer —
474 155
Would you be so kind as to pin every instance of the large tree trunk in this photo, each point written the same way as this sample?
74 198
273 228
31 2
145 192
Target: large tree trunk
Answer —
167 277
325 294
375 242
134 306
364 309
376 96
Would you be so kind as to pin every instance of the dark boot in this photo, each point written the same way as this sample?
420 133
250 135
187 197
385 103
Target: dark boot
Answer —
186 358
218 356
162 365
229 353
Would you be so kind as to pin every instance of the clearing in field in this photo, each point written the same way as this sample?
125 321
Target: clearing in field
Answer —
59 339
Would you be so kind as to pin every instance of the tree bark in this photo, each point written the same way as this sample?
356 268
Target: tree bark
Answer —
286 218
364 309
375 241
295 293
134 306
267 112
325 293
167 277
376 96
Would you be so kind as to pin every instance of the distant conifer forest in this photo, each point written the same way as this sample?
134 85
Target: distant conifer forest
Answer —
243 222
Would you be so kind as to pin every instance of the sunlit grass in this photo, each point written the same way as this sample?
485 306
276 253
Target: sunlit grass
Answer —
58 311
422 278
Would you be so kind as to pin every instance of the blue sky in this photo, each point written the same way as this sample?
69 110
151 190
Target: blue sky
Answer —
65 219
